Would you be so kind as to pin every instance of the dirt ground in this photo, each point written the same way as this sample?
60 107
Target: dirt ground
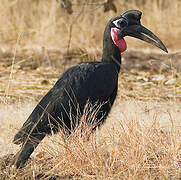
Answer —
143 75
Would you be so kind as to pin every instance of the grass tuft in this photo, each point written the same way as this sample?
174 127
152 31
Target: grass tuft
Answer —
142 141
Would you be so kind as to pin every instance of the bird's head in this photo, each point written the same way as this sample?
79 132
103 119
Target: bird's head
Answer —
128 24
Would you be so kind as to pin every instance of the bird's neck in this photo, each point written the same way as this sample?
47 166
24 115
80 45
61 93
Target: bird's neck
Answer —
111 54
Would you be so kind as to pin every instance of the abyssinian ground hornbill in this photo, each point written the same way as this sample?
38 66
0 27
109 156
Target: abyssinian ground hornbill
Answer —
96 82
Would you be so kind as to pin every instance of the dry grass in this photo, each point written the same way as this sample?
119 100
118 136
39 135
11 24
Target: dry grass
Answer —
141 137
144 76
44 24
138 141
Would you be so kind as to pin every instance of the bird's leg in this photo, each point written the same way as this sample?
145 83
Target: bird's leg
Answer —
27 149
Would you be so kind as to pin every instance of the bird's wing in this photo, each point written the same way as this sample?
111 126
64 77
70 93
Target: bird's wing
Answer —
96 81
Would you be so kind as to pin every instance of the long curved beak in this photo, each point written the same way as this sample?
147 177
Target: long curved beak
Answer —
140 32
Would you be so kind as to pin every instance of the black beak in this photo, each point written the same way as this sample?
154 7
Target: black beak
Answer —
140 32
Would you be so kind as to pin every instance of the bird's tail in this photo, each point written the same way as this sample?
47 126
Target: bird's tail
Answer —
29 137
27 149
31 126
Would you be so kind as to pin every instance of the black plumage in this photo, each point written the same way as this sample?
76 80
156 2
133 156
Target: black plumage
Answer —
94 82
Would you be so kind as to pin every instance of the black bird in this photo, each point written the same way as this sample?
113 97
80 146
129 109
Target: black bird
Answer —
96 82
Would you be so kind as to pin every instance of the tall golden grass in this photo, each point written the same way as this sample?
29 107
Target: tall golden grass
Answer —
138 141
46 24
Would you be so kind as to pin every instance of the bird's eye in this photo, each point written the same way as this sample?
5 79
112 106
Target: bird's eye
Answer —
120 23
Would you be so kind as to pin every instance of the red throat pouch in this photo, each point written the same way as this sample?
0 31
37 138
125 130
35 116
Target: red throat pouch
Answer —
120 43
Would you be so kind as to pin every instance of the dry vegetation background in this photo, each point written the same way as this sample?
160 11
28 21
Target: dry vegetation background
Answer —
141 139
